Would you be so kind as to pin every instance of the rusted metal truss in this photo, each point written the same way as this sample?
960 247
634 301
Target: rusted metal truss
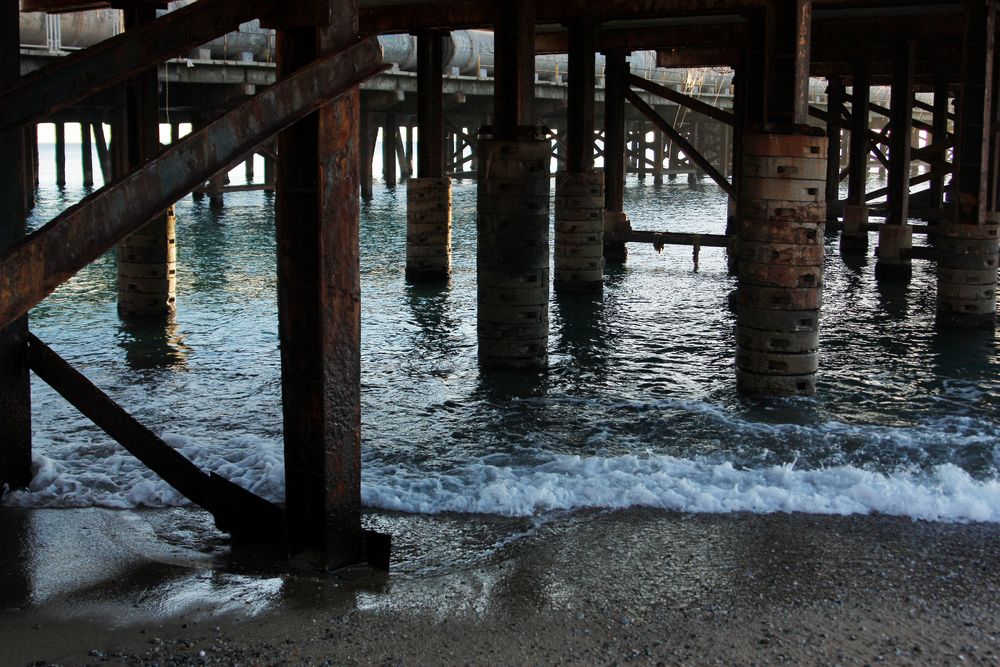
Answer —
32 269
237 511
99 67
681 142
691 103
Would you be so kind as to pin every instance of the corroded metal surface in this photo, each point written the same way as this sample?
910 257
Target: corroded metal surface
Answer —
34 268
15 181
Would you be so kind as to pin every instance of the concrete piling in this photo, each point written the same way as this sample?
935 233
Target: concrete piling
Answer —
428 228
780 257
147 270
579 231
513 251
967 257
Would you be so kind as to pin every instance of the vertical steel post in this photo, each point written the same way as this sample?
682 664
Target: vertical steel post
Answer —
86 155
15 389
834 101
895 237
615 219
579 230
967 245
779 249
512 270
428 197
316 214
60 154
939 136
389 150
367 137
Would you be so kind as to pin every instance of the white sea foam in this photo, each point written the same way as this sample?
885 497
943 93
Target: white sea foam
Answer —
946 493
71 471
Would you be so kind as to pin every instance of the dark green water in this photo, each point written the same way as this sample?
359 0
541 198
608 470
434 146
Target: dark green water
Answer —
637 407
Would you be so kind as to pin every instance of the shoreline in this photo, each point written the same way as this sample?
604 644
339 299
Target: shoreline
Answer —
95 586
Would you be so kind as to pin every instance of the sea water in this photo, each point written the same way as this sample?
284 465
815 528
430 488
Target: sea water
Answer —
636 408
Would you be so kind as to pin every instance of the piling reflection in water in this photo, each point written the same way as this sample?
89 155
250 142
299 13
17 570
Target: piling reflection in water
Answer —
153 344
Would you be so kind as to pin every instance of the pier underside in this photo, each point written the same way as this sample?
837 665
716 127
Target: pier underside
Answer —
790 120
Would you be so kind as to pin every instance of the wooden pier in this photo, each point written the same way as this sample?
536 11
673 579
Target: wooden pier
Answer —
785 119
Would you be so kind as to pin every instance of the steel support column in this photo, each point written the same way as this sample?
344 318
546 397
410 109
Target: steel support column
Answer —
967 244
782 212
60 154
615 220
513 205
579 232
428 197
895 238
834 101
389 150
15 389
367 135
316 215
939 136
147 259
854 238
86 155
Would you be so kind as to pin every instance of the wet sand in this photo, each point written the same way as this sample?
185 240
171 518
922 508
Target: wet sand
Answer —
96 586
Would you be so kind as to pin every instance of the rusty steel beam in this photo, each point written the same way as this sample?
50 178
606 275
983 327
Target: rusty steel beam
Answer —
15 179
430 113
679 38
319 308
580 116
99 67
32 269
898 195
616 73
699 57
514 71
715 113
236 510
690 151
62 6
457 14
970 172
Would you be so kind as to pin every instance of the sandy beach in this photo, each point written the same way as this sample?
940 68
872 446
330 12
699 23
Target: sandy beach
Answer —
94 586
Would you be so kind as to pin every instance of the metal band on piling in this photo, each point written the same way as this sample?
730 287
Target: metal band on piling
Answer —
428 229
780 256
147 270
579 232
513 251
967 257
